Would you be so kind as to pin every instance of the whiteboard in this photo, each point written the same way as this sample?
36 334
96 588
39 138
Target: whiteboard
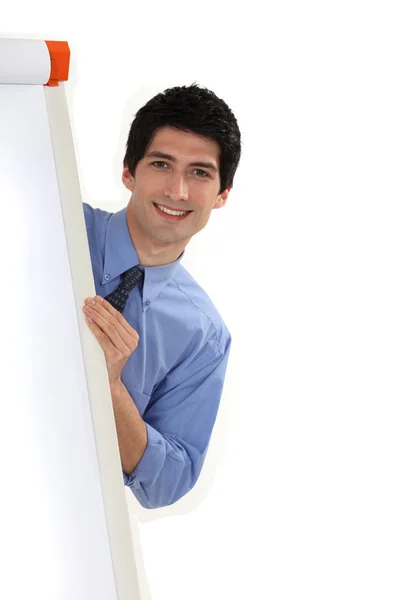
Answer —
64 522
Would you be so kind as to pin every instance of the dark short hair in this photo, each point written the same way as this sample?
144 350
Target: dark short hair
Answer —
188 108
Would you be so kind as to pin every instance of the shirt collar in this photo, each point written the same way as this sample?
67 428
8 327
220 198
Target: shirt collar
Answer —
120 255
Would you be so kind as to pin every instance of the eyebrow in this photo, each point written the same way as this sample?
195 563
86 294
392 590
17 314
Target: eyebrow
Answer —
157 154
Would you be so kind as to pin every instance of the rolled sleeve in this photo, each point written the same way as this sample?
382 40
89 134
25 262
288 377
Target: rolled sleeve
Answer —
151 463
179 424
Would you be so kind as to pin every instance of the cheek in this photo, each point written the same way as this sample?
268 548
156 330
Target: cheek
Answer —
204 214
142 194
203 198
207 203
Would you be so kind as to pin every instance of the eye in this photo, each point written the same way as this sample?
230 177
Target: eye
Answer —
204 174
159 164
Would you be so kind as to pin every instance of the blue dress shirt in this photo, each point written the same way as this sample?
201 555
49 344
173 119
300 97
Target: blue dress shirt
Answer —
175 376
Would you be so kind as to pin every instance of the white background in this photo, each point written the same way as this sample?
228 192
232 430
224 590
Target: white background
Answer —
299 496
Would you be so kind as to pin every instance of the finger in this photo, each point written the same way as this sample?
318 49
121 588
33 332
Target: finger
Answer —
108 328
104 341
129 335
114 318
115 313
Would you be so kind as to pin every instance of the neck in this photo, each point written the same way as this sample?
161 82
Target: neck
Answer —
154 256
152 252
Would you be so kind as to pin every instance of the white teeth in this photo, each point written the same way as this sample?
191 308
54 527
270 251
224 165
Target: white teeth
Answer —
176 213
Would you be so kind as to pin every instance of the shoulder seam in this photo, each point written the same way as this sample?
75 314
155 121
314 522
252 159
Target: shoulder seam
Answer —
202 311
103 227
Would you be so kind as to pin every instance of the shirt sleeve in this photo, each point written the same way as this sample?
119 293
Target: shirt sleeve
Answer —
179 421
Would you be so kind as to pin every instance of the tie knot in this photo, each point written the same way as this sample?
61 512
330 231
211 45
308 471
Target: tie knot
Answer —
131 278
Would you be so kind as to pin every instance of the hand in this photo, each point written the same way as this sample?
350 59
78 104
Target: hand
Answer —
114 334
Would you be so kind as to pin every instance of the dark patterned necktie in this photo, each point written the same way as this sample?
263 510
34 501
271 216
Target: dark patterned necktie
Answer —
130 280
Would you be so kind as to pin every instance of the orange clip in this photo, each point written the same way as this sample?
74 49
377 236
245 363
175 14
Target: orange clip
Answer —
59 57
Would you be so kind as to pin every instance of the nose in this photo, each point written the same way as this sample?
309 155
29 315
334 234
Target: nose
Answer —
176 187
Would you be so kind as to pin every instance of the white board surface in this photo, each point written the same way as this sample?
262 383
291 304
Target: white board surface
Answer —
63 520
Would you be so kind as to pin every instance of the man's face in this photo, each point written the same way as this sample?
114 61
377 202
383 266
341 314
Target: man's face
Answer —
179 172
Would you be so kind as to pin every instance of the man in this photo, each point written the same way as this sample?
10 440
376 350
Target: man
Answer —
167 353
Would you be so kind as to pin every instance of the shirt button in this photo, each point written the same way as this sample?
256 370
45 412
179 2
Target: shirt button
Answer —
107 277
147 302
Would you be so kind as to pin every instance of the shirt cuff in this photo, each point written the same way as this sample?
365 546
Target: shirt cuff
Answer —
151 463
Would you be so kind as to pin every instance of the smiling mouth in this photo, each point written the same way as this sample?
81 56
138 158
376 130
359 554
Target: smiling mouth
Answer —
172 215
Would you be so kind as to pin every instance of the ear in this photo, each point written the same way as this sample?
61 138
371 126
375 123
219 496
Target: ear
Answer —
222 198
127 178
